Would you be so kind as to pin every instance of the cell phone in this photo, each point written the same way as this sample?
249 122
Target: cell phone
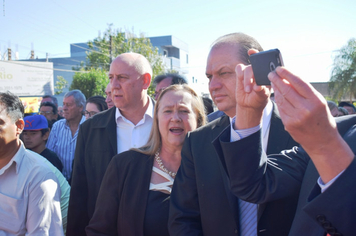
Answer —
263 63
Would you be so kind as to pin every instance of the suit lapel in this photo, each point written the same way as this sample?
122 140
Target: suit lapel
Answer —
111 131
144 183
106 121
224 123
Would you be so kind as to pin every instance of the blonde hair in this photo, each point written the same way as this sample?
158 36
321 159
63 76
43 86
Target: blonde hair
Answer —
155 141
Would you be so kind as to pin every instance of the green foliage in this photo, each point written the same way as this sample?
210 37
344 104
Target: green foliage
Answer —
61 84
103 52
122 42
343 77
91 83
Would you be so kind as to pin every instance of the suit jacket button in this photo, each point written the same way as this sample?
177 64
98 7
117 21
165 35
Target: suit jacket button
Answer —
236 231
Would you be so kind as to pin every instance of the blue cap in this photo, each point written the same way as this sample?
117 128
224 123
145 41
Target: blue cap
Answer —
36 122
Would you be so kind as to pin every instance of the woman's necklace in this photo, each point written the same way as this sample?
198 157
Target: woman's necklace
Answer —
162 167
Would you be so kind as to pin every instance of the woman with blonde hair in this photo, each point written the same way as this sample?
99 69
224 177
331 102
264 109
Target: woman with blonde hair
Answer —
134 194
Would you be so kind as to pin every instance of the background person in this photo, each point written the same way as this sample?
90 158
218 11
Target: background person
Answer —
342 111
60 111
35 136
152 167
351 109
163 81
50 98
63 137
333 108
49 110
95 104
108 99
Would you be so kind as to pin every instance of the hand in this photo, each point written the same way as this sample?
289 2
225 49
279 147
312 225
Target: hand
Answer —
308 120
303 110
251 99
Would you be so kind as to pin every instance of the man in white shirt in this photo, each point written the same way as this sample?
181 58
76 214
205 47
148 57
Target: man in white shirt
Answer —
109 133
29 190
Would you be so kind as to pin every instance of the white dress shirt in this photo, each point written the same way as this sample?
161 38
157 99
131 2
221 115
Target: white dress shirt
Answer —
29 197
130 135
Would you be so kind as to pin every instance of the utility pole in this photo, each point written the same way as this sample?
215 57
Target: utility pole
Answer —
4 7
9 54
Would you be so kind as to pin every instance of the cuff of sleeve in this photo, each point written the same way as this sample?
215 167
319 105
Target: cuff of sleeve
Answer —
324 186
242 133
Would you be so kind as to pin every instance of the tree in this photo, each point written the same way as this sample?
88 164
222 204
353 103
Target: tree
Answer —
343 76
91 83
104 49
115 42
61 84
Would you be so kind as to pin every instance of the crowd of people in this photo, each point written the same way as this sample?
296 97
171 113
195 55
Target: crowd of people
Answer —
131 164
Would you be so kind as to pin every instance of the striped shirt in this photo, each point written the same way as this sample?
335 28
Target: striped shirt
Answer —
63 144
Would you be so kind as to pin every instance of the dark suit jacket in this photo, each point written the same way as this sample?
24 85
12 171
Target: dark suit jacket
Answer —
96 145
284 175
201 200
122 200
215 115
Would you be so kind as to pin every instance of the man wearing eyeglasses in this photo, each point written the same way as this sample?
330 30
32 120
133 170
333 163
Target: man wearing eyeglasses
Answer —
50 111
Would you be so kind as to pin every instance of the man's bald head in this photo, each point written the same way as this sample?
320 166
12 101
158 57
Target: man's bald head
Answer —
135 60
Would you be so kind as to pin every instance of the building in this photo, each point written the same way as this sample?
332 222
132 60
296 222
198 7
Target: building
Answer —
174 53
323 88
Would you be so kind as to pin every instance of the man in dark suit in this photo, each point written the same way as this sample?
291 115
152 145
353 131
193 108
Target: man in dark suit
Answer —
323 170
126 125
201 200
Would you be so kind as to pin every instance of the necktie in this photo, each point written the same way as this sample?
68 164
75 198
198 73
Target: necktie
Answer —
248 218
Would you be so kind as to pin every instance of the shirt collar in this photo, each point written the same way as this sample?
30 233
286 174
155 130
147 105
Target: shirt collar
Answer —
16 159
148 112
267 114
81 121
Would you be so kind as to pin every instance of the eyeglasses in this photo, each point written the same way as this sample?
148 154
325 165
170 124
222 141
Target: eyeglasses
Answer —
45 112
90 113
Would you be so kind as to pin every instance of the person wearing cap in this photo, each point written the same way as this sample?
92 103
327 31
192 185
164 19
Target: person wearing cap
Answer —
35 136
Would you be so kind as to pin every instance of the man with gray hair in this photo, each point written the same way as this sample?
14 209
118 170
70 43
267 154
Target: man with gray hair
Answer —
63 137
108 133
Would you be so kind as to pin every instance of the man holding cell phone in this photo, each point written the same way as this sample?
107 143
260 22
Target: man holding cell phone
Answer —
323 169
201 200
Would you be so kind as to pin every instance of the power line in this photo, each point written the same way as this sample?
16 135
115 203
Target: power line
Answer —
46 68
74 14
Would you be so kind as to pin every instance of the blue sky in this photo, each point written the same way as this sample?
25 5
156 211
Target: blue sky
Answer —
306 32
